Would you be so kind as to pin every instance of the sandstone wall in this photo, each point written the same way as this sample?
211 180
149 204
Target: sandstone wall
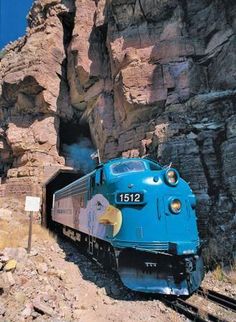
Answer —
149 77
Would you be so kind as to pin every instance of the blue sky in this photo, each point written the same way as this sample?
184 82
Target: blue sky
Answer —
13 19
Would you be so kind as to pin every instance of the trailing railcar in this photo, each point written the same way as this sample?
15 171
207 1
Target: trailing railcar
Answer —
139 218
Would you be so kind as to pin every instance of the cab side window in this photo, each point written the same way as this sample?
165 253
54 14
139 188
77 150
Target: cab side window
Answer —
103 177
99 177
92 184
93 181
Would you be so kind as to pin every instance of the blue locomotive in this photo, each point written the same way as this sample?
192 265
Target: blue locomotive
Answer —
138 218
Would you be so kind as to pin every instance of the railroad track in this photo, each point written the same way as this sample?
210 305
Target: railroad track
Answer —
191 311
226 302
197 314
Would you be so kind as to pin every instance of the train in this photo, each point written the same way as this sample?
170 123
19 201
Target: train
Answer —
138 218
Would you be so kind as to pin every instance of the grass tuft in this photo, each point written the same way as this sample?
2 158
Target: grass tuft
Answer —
218 273
17 235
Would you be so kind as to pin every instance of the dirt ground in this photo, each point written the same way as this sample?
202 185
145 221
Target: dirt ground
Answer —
55 282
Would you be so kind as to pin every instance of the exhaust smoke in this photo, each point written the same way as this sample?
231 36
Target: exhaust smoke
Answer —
78 155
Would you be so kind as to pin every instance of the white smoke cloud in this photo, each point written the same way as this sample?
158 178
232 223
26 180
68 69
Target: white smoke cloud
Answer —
78 155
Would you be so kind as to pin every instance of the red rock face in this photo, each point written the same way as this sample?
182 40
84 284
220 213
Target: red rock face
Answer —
33 94
148 77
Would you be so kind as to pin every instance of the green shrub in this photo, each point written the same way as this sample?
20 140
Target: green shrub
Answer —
2 53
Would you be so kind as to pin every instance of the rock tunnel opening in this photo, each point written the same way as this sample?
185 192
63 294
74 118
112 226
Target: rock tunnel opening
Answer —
76 145
59 180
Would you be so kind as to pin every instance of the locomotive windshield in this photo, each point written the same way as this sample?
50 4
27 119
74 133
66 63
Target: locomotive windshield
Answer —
128 166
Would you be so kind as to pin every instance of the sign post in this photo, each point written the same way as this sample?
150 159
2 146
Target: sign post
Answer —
30 232
31 204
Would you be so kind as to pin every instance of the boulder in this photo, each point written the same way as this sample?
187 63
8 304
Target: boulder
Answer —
10 265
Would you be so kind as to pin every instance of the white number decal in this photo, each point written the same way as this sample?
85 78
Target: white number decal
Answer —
126 197
130 197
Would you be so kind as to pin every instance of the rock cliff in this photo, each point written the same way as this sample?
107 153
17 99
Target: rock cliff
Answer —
136 77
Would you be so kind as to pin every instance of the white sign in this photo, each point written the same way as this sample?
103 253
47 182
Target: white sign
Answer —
32 203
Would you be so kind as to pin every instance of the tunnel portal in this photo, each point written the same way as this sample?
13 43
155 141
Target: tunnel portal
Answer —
59 180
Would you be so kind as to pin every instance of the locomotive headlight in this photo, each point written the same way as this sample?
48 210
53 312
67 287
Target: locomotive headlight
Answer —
175 206
172 177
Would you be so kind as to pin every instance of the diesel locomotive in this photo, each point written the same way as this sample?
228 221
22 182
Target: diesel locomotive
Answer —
138 218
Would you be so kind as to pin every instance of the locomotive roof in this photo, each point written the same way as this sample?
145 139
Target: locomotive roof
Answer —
126 159
100 165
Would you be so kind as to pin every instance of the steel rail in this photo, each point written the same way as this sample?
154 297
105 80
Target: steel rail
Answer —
180 308
191 311
228 303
